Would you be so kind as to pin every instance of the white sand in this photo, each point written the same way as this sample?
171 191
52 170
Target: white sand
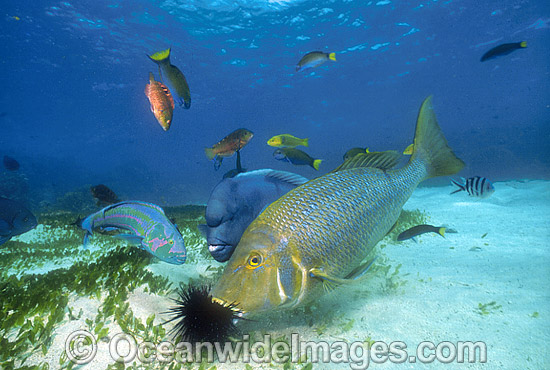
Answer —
444 280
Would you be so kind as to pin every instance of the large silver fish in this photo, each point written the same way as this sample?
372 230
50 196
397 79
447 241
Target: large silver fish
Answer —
317 234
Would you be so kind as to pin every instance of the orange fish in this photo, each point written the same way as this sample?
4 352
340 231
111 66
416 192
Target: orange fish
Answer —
227 146
162 103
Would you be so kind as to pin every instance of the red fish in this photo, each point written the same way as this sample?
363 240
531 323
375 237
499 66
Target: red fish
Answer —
162 103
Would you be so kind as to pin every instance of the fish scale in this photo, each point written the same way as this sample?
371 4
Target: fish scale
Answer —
317 234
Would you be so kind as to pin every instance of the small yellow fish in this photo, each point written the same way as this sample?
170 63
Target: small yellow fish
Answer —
287 141
162 103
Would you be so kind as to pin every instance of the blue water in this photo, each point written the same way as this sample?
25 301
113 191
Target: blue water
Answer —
74 113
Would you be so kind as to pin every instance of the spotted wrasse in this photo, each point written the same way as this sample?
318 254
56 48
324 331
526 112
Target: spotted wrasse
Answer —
146 225
316 235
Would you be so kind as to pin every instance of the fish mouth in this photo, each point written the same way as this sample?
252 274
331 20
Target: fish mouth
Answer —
221 252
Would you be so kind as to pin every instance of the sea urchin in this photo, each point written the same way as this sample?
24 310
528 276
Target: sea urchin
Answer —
201 318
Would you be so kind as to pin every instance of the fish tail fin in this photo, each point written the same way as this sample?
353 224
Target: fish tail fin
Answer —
316 163
209 153
523 44
441 231
367 150
332 56
430 146
305 142
461 187
161 56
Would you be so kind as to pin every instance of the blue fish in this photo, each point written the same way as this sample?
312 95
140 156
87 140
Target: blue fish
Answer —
147 225
236 202
475 186
15 219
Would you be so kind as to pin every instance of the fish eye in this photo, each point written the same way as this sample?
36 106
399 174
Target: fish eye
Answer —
171 241
254 261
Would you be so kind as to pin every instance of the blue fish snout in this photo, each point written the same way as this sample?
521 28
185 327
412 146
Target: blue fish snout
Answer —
221 253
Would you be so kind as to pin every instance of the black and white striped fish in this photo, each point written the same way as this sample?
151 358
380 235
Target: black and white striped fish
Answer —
476 186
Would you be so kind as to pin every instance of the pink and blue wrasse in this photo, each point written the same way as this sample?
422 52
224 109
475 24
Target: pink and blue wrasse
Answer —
147 225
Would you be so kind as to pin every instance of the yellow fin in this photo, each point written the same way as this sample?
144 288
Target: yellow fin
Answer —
161 55
332 56
523 44
209 153
430 146
367 150
382 160
441 231
305 142
316 163
409 150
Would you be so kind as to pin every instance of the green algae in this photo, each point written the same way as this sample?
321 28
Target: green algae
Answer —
34 305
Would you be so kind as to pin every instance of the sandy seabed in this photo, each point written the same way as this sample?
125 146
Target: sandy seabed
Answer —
489 283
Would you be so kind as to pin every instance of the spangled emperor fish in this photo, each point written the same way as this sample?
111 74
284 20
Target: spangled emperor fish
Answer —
318 233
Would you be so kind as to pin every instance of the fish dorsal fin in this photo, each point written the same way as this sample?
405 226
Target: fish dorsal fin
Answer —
382 160
135 202
288 177
151 77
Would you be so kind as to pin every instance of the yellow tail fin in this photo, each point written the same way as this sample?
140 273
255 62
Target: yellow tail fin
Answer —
161 56
430 146
332 56
523 44
316 164
441 231
305 142
209 153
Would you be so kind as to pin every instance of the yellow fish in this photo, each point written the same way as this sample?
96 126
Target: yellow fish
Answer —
315 236
287 141
176 79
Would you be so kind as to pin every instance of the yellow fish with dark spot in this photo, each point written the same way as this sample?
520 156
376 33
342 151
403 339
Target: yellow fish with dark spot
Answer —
176 79
315 236
162 103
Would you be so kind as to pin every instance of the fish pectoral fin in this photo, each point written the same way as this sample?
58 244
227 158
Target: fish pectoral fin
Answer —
392 228
359 272
133 239
329 282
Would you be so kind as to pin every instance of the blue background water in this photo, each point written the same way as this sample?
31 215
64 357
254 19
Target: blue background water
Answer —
73 73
